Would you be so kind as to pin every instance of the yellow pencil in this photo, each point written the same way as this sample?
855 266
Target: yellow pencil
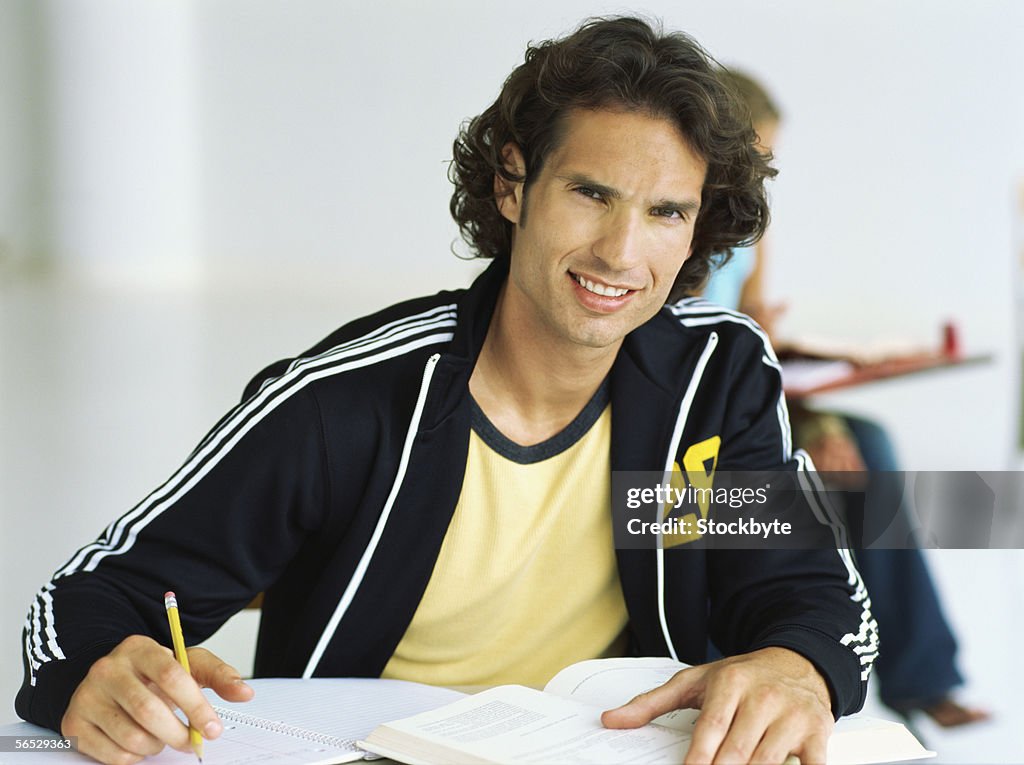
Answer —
171 604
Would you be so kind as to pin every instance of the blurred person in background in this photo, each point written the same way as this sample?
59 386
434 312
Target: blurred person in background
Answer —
917 669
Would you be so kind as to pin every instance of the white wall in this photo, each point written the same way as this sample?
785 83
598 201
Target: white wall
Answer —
121 131
22 185
326 132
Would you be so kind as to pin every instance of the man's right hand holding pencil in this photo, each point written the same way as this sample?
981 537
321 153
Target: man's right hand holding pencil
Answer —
123 710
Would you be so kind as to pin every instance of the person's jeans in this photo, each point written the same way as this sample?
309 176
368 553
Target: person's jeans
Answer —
917 660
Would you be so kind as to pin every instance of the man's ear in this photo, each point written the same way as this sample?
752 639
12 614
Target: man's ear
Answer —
508 195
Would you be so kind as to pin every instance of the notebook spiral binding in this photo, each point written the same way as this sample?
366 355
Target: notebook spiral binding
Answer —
288 730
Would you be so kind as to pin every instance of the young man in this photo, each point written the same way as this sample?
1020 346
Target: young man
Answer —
425 493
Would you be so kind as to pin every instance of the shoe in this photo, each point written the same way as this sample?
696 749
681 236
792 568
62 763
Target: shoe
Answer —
945 712
949 713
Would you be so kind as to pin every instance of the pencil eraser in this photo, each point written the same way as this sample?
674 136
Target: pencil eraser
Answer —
168 595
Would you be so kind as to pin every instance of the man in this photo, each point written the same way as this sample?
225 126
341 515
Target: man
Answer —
425 493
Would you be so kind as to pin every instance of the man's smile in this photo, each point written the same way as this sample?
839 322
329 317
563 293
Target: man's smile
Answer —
598 296
599 287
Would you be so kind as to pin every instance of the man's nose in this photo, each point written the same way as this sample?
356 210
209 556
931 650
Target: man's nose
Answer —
620 243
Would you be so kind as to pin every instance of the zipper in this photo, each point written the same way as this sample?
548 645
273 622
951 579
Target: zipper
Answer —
364 562
677 436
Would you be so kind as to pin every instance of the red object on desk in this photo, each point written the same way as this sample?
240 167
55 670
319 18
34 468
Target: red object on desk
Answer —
887 369
950 340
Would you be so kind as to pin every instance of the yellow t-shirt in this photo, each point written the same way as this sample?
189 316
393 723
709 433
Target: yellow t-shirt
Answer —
526 581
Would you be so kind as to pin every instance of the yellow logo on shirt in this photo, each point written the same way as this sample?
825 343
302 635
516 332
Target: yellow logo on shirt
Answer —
700 462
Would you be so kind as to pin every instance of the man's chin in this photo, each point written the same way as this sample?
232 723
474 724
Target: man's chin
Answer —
605 331
598 338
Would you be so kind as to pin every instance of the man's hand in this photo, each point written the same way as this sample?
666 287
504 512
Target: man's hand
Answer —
838 460
756 708
123 710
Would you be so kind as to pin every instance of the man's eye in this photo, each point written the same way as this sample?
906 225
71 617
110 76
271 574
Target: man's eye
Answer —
588 192
669 212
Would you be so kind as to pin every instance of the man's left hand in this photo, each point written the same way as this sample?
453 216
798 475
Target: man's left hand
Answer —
759 707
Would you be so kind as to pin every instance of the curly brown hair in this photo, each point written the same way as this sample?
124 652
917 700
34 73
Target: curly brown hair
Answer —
622 63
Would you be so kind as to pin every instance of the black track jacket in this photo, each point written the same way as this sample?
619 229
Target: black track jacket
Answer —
331 487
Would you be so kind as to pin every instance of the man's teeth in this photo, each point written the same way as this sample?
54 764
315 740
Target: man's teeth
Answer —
600 289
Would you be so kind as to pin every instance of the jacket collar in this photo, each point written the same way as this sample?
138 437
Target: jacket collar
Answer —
475 309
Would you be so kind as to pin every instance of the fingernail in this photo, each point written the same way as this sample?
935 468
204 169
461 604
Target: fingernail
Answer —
212 729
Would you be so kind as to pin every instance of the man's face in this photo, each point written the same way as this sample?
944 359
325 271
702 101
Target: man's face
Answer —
609 224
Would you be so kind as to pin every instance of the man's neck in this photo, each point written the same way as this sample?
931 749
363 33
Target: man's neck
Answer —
528 384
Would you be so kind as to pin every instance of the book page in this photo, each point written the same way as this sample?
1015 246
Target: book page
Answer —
513 724
342 710
610 683
348 708
246 745
860 740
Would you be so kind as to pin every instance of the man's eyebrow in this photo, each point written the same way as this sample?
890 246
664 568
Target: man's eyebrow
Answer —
689 205
590 183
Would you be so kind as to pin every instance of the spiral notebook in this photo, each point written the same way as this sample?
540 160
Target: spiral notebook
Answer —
288 722
310 721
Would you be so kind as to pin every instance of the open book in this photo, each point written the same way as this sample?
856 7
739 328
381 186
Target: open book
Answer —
512 724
